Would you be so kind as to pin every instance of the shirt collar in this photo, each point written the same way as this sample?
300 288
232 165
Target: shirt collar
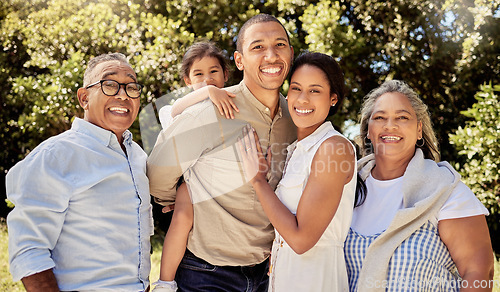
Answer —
104 136
255 102
291 147
308 142
283 104
127 137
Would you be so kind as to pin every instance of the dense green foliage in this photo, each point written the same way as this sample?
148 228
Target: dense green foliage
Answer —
478 141
445 49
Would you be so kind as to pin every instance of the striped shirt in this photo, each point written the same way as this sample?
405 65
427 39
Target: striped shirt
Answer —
421 263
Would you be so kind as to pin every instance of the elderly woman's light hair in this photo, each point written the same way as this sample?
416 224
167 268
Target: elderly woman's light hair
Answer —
430 145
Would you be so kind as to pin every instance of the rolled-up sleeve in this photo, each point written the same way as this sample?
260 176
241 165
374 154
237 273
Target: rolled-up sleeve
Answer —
38 188
177 149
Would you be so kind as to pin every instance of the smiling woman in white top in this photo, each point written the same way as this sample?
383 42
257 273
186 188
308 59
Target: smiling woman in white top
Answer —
419 228
312 208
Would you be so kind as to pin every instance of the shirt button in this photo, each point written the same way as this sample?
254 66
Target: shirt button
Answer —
267 109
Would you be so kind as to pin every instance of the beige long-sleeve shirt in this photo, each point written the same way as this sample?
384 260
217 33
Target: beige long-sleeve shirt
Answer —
230 226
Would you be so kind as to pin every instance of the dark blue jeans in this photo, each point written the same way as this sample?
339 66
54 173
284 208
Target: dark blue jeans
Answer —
195 274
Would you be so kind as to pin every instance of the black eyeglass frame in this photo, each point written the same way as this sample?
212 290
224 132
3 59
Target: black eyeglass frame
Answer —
140 86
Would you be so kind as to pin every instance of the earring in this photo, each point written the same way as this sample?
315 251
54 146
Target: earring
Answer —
367 141
420 145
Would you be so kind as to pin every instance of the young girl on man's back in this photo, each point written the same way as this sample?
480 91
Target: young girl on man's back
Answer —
204 69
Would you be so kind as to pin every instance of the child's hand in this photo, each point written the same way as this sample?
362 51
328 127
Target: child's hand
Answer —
168 208
223 100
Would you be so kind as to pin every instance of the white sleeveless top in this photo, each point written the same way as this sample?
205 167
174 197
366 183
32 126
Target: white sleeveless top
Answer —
322 268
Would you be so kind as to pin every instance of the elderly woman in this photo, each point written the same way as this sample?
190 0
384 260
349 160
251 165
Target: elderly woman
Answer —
419 228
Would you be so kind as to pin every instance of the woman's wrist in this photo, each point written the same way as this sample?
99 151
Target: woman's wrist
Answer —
258 180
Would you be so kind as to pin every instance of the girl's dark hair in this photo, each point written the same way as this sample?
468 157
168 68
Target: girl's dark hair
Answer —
332 71
201 50
335 77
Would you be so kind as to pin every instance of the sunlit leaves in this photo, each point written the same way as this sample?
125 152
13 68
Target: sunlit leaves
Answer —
478 142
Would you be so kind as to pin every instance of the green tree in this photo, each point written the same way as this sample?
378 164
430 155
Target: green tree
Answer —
441 48
478 142
220 20
55 41
45 46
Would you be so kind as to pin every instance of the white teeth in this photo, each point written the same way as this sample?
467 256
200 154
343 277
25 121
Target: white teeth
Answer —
303 111
391 138
271 70
118 109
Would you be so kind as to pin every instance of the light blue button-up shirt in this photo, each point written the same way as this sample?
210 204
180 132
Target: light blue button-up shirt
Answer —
83 209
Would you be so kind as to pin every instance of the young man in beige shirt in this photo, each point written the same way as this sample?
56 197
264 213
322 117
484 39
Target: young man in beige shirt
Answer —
231 237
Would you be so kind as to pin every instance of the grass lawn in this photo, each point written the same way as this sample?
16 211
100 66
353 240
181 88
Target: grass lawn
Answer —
6 283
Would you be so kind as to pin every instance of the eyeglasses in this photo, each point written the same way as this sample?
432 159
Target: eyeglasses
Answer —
112 87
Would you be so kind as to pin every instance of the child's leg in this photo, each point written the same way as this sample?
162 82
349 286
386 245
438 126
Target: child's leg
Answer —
175 242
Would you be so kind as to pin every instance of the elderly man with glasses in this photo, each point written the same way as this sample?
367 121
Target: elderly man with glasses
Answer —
82 216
